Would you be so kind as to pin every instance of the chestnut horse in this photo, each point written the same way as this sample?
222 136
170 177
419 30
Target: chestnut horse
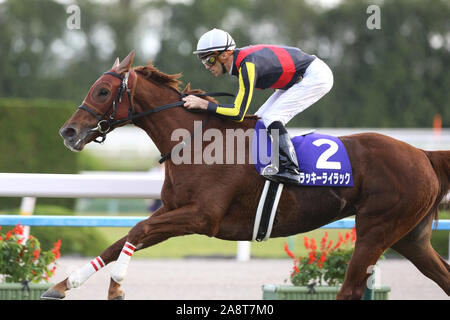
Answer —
396 192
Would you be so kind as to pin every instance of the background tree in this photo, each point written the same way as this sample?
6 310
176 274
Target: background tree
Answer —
391 77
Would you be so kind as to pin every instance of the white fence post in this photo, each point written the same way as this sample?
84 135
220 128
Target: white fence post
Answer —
243 251
26 209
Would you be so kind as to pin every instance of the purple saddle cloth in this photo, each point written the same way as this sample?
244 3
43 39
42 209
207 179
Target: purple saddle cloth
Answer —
322 159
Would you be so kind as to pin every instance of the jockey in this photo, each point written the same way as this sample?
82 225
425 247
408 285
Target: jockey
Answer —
299 80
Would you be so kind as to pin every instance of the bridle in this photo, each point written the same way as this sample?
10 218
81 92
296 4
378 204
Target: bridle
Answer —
106 123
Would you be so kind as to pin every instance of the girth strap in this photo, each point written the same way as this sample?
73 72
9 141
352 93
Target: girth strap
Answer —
267 208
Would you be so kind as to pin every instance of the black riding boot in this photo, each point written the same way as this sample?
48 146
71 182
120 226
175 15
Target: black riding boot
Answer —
288 171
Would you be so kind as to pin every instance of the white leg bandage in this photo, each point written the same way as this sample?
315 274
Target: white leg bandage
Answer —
77 278
119 269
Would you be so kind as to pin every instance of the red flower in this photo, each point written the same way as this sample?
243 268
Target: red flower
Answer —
57 244
305 242
36 253
55 250
57 254
323 243
19 229
329 244
338 244
289 252
347 236
313 244
321 260
353 234
312 257
8 235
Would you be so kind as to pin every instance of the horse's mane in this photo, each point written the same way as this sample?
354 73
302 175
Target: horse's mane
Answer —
151 73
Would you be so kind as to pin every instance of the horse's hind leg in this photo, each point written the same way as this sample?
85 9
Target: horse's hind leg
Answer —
416 247
375 234
366 254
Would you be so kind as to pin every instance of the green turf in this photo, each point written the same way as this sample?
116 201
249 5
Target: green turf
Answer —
444 214
197 245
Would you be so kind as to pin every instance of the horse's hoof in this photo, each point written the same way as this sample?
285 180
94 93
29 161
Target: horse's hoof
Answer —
121 297
52 294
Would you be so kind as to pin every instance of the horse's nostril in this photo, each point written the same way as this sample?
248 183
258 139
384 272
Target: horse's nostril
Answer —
68 132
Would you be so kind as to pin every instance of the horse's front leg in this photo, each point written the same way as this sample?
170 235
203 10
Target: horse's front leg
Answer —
80 276
159 227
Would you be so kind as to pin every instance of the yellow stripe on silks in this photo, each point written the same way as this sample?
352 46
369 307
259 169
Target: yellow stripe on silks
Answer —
232 112
251 84
239 100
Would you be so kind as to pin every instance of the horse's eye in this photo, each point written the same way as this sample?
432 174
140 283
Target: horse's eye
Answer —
103 92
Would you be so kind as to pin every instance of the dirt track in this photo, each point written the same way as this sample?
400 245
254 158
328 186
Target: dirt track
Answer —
226 279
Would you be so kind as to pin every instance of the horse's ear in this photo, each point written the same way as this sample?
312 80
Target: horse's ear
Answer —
126 63
116 63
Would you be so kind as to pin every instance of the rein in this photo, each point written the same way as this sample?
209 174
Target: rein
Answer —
106 124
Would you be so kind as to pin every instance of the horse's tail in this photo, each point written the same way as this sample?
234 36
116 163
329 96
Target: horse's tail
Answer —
441 164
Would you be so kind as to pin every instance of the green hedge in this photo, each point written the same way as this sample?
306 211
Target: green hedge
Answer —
30 141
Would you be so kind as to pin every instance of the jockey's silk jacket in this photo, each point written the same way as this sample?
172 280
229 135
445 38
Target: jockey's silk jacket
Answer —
262 67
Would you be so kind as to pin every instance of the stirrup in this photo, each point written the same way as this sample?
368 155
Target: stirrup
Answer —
271 173
269 170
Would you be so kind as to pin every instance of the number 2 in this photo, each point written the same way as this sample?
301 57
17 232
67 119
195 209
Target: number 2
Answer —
322 161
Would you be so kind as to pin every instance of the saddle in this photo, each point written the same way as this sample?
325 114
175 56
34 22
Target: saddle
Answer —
323 162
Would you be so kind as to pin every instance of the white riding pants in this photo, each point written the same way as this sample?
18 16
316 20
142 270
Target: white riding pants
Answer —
283 105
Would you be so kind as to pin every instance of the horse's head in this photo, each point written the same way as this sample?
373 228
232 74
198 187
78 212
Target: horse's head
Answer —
107 105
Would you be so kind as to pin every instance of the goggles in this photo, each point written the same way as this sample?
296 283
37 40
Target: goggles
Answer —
210 60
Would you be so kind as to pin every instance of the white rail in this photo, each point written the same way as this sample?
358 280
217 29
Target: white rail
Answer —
140 185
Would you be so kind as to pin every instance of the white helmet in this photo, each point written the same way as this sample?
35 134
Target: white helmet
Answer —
214 40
